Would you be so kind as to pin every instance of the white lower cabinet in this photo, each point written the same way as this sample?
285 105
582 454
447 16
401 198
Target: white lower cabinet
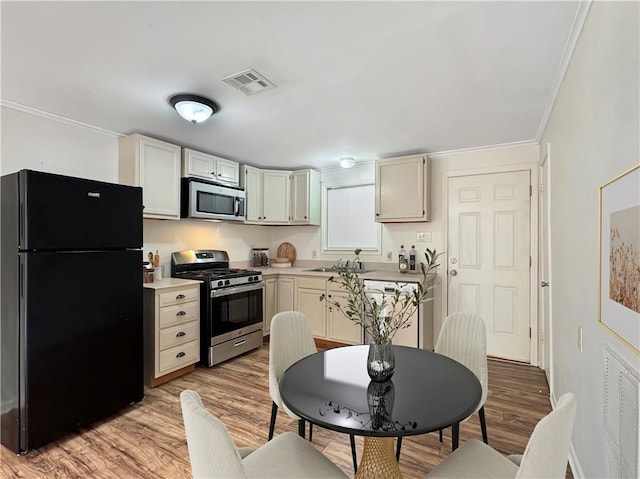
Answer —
302 293
278 297
308 292
326 322
286 290
340 328
270 302
171 329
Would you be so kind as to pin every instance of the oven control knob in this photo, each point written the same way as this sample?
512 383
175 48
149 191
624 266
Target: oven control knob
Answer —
220 283
253 278
226 282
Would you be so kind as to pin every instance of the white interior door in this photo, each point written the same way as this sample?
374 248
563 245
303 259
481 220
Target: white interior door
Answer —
489 257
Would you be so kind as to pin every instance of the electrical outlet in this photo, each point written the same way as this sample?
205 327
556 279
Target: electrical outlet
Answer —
313 254
389 256
424 236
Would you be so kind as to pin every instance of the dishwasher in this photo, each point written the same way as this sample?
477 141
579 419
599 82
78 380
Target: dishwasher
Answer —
419 334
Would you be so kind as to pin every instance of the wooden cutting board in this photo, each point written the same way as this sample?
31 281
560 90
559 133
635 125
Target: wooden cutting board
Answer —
287 250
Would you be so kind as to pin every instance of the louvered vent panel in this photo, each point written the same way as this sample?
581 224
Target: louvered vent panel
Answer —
248 82
622 416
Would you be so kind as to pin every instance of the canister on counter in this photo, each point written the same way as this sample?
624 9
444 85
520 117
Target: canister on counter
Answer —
260 257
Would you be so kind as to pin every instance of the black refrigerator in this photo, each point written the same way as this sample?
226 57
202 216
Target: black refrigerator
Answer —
71 304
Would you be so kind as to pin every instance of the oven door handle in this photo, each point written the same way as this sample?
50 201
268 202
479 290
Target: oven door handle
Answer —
218 293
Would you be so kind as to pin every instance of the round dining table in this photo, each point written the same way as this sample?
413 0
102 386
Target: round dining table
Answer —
427 392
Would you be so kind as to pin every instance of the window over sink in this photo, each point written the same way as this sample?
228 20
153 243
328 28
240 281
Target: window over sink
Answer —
349 219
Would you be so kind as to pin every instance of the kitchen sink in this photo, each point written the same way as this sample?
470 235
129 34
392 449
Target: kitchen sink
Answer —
340 270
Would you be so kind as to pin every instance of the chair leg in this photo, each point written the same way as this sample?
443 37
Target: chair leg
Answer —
440 432
398 447
301 428
272 425
353 452
483 425
310 432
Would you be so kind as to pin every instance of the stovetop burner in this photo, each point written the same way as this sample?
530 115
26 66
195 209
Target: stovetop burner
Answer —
212 267
217 273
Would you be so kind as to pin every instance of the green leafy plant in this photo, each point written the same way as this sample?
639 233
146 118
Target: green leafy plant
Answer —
382 319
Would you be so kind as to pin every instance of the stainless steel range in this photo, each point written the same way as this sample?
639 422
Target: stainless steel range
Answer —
230 302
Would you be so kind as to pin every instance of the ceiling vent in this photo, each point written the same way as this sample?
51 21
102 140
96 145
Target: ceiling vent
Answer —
248 82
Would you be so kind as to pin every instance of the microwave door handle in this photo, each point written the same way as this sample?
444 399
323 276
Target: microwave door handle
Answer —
236 208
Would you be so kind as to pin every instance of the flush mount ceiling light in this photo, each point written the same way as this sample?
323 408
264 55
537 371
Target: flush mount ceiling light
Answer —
347 161
193 108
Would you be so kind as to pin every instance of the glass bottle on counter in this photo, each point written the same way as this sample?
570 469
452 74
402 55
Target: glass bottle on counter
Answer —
413 255
403 263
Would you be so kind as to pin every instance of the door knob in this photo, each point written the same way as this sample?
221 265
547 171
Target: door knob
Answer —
544 284
453 272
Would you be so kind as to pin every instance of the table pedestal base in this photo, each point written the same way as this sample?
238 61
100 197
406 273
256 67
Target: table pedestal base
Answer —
378 459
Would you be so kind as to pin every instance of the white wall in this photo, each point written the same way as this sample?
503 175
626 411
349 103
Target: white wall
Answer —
167 236
34 142
593 132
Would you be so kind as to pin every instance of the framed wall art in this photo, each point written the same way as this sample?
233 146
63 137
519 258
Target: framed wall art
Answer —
619 264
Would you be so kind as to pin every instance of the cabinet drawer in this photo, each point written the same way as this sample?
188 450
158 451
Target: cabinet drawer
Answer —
178 357
182 313
176 335
311 283
179 297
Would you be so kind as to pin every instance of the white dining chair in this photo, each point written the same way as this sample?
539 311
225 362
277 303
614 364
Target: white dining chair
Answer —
463 338
290 339
545 456
214 455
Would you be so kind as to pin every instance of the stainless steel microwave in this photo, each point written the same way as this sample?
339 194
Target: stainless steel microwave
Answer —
211 201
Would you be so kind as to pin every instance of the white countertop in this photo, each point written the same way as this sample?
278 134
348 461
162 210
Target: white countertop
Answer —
169 283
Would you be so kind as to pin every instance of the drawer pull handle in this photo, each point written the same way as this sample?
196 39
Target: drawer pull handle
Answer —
180 296
240 343
180 313
180 334
180 354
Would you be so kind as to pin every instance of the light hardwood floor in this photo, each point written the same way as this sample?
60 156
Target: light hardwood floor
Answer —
147 440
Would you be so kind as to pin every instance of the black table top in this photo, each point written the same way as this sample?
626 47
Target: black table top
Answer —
427 392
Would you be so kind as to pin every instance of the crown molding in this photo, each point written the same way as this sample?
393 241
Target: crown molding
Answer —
52 116
448 153
576 29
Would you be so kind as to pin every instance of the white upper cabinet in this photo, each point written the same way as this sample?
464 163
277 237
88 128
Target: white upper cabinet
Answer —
275 196
155 166
252 182
267 195
305 197
203 165
402 189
